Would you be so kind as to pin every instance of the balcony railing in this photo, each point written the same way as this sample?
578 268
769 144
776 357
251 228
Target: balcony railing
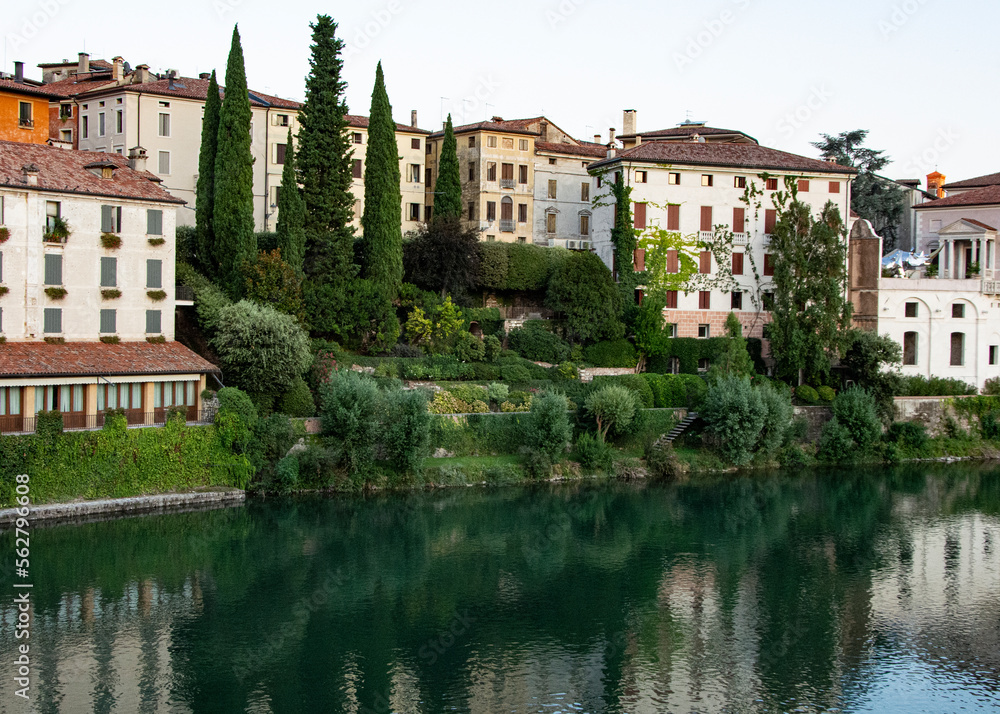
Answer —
507 183
741 239
706 236
506 225
26 123
184 293
18 424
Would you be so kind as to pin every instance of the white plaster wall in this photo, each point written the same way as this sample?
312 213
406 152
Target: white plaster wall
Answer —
569 173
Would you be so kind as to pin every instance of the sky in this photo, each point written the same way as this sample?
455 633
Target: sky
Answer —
918 74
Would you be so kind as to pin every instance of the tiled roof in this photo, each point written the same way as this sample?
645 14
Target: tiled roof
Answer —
746 156
77 84
589 149
62 171
9 85
192 88
989 196
977 182
516 126
40 359
360 122
99 63
980 224
686 130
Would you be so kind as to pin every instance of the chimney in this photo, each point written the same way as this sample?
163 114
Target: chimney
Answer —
137 158
19 72
544 126
935 183
171 76
117 72
597 138
83 65
142 74
204 75
611 135
413 118
30 174
628 122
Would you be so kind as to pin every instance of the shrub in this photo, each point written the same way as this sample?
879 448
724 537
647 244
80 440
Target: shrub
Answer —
492 348
991 386
536 343
236 421
111 241
407 430
593 452
662 461
584 291
48 425
515 373
856 411
401 349
485 372
350 418
826 393
387 369
989 427
612 353
614 407
286 474
298 400
777 417
792 456
469 348
634 382
548 425
566 371
835 443
470 393
734 412
110 294
806 394
658 386
512 407
918 386
908 434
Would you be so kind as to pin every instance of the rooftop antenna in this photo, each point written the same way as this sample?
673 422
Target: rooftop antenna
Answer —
442 109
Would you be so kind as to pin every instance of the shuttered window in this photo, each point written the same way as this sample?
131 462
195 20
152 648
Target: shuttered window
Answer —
768 264
154 222
957 349
111 219
109 272
639 260
108 321
672 261
704 300
154 273
706 218
672 299
53 269
705 262
356 168
640 215
770 218
522 212
739 220
153 322
737 263
279 153
803 185
772 184
673 217
835 187
52 320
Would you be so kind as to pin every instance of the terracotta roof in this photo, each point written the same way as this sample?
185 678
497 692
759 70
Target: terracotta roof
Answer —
9 85
102 64
193 88
977 182
62 171
980 224
746 156
989 196
77 84
40 359
686 130
360 122
597 151
516 126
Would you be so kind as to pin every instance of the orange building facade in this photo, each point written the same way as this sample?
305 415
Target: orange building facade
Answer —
24 112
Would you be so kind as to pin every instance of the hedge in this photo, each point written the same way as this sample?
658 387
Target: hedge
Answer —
489 319
636 382
516 266
535 343
611 353
676 391
691 349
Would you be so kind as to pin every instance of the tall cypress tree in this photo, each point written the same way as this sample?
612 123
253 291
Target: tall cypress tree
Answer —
235 240
205 201
291 213
381 222
324 160
448 189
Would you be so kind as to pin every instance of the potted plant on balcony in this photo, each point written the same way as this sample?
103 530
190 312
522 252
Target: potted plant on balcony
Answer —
972 269
4 234
932 270
111 241
59 231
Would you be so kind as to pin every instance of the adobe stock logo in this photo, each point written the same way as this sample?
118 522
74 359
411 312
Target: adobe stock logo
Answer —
366 34
45 11
712 30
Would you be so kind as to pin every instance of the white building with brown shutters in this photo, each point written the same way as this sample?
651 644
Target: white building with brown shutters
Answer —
87 292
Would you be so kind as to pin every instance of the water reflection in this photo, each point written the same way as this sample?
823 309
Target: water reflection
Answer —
837 591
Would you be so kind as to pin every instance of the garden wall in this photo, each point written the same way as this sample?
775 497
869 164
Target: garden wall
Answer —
815 418
932 412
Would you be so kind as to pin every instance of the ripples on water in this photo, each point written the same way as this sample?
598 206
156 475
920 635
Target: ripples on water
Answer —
872 592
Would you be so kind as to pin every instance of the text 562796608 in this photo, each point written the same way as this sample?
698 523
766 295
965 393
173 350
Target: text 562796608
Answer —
22 588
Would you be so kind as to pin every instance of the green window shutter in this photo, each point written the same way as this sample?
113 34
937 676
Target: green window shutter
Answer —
153 322
107 219
109 272
52 320
53 269
154 222
108 321
154 273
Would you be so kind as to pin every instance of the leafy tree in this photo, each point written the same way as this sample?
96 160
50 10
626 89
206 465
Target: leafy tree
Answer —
366 318
583 290
650 337
810 313
734 412
855 410
734 358
448 189
548 425
350 418
205 190
613 407
443 257
324 164
872 361
407 430
261 350
232 216
271 281
382 235
435 333
872 197
291 233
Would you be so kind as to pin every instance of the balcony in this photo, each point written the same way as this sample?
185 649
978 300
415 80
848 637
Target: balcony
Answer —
506 225
26 123
183 295
706 236
507 183
741 239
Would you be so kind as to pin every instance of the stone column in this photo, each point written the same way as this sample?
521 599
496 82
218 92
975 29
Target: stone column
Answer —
147 402
952 273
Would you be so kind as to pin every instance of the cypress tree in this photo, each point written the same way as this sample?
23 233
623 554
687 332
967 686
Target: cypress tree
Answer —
448 189
235 240
291 232
324 160
205 201
381 222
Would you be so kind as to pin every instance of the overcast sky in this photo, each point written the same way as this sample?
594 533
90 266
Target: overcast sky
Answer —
919 74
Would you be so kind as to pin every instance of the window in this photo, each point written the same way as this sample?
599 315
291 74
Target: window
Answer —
707 180
522 213
552 162
428 175
154 221
550 222
163 124
639 294
706 218
639 215
65 111
767 300
53 269
835 187
909 348
671 330
911 309
472 142
640 177
673 217
522 239
522 144
472 210
108 321
993 354
674 178
66 135
958 310
585 192
803 185
770 218
414 211
739 220
491 142
415 144
281 120
279 153
584 224
472 170
491 210
490 239
356 168
109 272
111 219
507 174
739 181
704 300
164 162
85 129
491 170
522 174
24 115
356 137
673 264
507 214
705 262
100 124
153 322
162 104
154 273
53 209
428 148
737 263
119 121
427 212
414 173
671 299
737 300
704 331
52 320
703 364
768 264
957 349
552 188
771 184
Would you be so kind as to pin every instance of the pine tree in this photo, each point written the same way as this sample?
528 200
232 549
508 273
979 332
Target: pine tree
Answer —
291 213
205 201
235 240
324 160
380 224
448 189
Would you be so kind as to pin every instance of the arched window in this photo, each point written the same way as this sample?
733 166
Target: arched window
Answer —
910 348
507 214
957 349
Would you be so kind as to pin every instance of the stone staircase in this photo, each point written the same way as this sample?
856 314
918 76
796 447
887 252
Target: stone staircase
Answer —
683 426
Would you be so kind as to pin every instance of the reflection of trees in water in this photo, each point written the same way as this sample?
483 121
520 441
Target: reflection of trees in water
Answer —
739 589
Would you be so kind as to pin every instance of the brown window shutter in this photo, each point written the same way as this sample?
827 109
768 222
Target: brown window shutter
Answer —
803 185
672 299
704 300
835 187
705 262
770 218
673 218
737 264
706 218
672 261
356 168
739 220
639 260
640 215
772 184
768 264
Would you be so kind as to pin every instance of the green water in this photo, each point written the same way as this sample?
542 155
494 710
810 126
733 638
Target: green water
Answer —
840 591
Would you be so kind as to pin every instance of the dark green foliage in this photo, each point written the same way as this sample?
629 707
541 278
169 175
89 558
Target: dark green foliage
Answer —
529 267
480 434
593 452
918 386
515 373
676 391
989 427
835 443
358 314
236 422
647 327
636 383
232 215
350 418
992 386
448 188
186 248
734 412
407 430
688 350
443 257
208 299
734 358
494 266
806 394
777 416
584 291
623 236
910 435
48 425
269 280
297 401
793 457
286 475
548 425
491 347
662 461
612 353
536 343
489 319
825 394
291 232
469 348
871 361
204 245
856 411
382 237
